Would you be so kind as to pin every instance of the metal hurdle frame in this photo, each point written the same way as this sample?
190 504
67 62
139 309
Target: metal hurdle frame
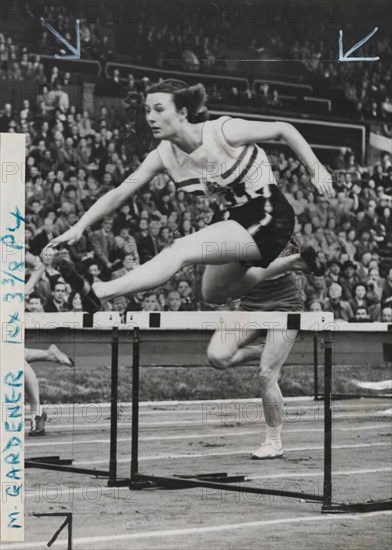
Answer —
65 465
219 481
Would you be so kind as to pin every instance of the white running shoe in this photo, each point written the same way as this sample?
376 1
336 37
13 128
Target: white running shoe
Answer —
268 450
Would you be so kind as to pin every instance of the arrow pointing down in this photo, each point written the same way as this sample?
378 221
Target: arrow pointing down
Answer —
346 56
75 51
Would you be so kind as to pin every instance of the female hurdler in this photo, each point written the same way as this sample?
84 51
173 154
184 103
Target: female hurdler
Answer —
219 157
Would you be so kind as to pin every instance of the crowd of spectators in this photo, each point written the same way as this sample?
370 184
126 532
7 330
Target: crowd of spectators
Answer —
74 157
196 38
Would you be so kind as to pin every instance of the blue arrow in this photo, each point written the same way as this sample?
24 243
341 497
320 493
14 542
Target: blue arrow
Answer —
75 51
345 56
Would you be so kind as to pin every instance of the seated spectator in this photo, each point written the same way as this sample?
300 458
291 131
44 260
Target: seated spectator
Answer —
150 302
75 302
173 301
120 304
363 266
188 302
387 290
186 228
128 264
349 279
95 271
361 315
63 220
386 314
127 244
317 289
59 301
365 244
42 237
374 294
359 297
104 243
147 245
165 203
165 238
34 303
332 274
341 309
315 305
135 302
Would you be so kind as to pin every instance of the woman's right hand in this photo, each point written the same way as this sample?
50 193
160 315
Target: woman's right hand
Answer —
71 236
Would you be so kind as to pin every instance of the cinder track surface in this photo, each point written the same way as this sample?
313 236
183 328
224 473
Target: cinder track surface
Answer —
205 437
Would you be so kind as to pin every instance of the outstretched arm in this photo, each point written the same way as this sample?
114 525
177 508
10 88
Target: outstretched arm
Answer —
244 132
112 200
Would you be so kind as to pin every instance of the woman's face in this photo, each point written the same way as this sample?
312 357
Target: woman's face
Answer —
360 292
77 303
162 115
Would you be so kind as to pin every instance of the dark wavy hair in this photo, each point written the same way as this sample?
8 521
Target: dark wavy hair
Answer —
194 98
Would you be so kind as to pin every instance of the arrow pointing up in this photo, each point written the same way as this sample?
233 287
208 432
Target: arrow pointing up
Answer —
75 51
345 56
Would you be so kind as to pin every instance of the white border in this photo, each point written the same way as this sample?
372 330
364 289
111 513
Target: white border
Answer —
12 236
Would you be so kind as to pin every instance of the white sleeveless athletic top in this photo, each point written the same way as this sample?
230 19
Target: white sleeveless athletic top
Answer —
235 173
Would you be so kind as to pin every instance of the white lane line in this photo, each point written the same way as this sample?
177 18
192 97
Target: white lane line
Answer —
300 399
193 436
320 474
89 409
232 453
164 533
127 407
295 416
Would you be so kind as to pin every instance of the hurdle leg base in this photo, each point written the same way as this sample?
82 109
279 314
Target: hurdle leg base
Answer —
221 477
118 482
138 484
50 460
357 507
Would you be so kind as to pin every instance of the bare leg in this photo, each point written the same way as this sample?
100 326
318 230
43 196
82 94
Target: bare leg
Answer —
233 280
232 349
276 350
199 248
32 390
52 354
223 354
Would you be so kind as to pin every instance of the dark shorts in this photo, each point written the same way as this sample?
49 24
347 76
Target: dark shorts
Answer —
281 294
272 238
